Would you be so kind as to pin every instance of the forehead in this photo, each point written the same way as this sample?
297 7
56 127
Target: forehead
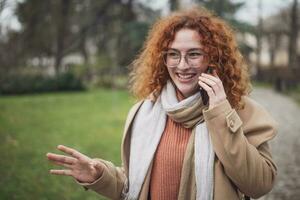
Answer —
186 39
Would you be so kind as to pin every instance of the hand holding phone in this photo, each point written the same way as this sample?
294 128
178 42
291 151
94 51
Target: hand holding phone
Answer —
212 90
203 93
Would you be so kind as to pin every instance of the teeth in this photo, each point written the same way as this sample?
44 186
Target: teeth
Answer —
185 76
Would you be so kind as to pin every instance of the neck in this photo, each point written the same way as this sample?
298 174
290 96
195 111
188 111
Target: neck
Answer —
179 95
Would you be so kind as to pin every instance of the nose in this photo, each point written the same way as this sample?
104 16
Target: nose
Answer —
183 64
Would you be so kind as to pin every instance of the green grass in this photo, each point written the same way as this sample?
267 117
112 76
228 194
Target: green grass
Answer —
32 125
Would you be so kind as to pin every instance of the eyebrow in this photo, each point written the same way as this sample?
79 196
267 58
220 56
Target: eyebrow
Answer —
192 49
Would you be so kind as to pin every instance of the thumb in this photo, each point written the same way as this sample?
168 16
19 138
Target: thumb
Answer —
99 167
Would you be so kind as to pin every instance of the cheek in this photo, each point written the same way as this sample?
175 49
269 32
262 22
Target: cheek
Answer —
203 67
171 72
205 61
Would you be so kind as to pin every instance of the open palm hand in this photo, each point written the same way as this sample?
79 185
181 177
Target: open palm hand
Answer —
78 165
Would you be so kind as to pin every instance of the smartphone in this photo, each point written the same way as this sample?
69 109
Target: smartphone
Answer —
203 93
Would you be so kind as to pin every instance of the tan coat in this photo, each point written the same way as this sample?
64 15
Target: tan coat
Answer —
243 162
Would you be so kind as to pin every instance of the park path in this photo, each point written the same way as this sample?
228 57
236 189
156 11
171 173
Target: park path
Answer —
286 145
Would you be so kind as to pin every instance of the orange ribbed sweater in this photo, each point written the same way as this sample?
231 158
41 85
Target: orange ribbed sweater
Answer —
168 160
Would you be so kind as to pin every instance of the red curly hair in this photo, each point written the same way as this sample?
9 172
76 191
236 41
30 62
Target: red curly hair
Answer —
149 74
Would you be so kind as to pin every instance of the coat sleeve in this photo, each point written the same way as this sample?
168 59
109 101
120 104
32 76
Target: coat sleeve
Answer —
240 141
113 181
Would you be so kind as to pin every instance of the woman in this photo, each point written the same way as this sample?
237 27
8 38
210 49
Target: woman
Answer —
195 134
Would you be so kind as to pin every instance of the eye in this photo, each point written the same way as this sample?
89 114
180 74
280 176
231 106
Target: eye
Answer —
194 54
173 55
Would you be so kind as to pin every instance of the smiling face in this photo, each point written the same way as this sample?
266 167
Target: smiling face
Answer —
187 42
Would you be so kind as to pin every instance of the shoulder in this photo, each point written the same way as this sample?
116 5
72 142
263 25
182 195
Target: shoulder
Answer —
133 110
258 125
130 116
253 109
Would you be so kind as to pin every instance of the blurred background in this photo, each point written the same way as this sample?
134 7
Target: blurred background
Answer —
64 74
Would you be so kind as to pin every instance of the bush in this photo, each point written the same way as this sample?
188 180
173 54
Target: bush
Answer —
24 84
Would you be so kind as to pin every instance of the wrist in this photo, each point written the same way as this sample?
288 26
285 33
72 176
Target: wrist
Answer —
98 169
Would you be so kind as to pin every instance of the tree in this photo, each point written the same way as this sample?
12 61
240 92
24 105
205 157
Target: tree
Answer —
58 28
174 5
227 9
274 39
259 35
62 29
46 28
294 26
113 30
2 6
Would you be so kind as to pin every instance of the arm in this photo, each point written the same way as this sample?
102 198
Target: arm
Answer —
96 174
241 146
110 184
240 139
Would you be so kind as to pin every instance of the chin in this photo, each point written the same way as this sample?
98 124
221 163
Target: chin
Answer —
187 91
187 85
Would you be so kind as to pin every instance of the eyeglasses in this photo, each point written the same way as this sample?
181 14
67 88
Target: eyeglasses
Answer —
193 57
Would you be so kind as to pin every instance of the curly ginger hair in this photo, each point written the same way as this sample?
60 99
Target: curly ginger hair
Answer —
149 73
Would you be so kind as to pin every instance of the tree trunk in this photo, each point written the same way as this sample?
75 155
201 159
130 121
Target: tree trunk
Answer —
83 48
62 25
274 40
293 36
258 42
85 54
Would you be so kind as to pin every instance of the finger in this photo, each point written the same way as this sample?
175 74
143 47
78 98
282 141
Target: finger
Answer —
216 79
208 89
62 164
213 77
61 158
208 81
211 83
64 172
70 151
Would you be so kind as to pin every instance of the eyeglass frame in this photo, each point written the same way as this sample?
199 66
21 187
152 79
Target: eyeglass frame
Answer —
185 56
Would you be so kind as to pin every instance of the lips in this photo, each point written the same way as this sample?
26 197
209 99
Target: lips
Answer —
185 77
